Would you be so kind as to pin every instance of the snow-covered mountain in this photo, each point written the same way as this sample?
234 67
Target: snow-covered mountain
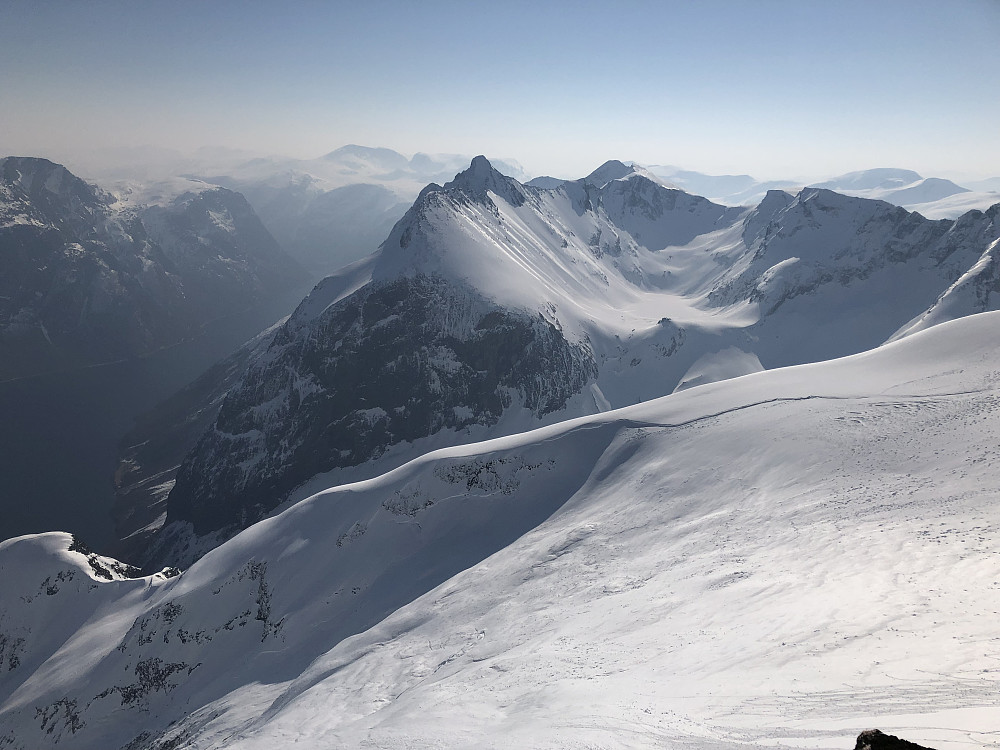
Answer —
494 307
779 559
883 179
87 276
471 319
975 291
901 187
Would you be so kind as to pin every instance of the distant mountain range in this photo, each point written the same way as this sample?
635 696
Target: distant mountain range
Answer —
334 209
933 197
330 211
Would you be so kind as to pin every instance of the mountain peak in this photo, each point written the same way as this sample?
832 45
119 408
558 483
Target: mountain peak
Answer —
608 171
54 190
773 202
480 163
33 173
481 177
480 170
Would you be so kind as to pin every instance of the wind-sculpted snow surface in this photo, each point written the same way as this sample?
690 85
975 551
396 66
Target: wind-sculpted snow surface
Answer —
780 559
494 307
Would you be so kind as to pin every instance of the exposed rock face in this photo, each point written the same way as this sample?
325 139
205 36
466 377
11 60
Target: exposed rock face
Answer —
976 290
84 280
859 270
873 739
393 362
219 248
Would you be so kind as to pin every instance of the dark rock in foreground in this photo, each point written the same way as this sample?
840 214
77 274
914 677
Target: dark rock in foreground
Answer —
873 739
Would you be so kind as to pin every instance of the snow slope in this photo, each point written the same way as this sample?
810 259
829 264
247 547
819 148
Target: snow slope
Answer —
780 559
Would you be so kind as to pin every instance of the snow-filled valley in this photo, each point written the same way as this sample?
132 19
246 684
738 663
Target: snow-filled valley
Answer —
776 560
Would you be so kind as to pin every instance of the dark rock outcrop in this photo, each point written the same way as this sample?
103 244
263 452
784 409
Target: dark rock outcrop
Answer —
873 739
391 363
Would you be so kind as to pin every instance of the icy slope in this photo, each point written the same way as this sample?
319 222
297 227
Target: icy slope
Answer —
774 560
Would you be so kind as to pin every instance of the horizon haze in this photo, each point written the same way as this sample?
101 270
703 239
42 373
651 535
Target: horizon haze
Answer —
774 89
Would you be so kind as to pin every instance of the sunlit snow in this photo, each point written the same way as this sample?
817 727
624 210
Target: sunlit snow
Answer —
781 559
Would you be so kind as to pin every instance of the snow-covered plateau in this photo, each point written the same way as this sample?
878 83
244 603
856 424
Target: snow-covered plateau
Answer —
776 560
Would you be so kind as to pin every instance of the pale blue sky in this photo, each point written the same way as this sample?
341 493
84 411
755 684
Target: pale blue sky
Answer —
769 87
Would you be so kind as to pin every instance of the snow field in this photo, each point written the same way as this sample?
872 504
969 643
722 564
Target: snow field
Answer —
781 559
779 575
